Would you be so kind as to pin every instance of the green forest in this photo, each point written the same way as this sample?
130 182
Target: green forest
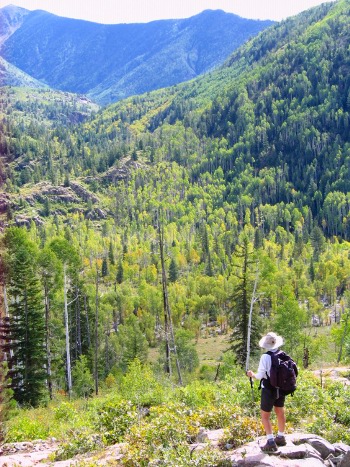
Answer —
133 232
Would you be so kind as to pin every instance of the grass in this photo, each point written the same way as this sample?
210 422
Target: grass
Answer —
210 349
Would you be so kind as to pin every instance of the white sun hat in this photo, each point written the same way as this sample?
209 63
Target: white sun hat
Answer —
271 341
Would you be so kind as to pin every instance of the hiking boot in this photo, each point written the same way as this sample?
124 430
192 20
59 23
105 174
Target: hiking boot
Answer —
270 446
280 441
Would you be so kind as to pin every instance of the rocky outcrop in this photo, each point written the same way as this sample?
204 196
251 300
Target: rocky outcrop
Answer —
96 214
24 221
54 193
122 171
302 449
83 193
4 202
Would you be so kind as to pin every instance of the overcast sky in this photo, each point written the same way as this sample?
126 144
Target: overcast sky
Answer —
142 11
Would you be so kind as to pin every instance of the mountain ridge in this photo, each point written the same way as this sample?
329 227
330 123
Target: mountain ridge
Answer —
109 62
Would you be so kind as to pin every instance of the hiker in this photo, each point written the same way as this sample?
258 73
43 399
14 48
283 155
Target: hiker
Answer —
270 397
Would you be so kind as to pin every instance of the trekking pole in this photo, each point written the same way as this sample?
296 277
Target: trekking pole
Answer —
253 300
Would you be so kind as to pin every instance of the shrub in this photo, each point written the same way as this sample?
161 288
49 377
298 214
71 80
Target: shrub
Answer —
115 419
156 441
241 431
140 386
64 412
25 428
214 417
80 442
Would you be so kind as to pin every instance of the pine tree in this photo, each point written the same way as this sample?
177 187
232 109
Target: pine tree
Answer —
27 322
111 254
241 299
173 271
104 271
120 273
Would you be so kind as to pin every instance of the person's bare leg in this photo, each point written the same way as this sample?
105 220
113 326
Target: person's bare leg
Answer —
281 418
265 418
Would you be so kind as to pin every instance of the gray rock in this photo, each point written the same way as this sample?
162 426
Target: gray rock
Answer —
294 452
341 448
300 438
345 462
322 446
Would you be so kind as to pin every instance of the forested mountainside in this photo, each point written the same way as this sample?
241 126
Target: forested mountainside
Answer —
111 62
11 18
242 175
12 76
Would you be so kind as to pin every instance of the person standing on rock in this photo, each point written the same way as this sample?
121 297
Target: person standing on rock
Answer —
270 397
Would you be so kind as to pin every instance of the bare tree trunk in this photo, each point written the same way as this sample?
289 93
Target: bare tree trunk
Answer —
69 369
96 333
169 331
78 325
48 339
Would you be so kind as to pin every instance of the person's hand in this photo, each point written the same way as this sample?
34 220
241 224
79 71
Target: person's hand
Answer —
250 374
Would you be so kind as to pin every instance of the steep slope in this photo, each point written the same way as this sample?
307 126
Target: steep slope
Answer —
12 76
109 62
11 18
274 120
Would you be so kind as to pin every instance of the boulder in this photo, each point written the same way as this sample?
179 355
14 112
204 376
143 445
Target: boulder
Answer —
322 446
302 449
345 462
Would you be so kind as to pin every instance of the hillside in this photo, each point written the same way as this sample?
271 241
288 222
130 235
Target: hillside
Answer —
285 120
11 18
12 76
235 180
110 62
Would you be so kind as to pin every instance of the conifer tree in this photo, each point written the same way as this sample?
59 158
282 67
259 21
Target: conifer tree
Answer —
120 273
173 271
104 271
241 299
111 254
27 323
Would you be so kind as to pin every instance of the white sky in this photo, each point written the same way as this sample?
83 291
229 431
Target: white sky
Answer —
142 11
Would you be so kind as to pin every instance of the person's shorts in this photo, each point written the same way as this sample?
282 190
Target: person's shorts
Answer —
270 399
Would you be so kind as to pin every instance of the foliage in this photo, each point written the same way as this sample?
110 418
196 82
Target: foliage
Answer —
168 430
115 419
242 303
79 442
241 430
248 163
27 330
26 427
83 379
140 385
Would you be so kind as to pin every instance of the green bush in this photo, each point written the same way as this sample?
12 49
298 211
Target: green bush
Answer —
79 442
64 412
241 430
214 417
115 419
196 394
25 428
161 437
141 387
